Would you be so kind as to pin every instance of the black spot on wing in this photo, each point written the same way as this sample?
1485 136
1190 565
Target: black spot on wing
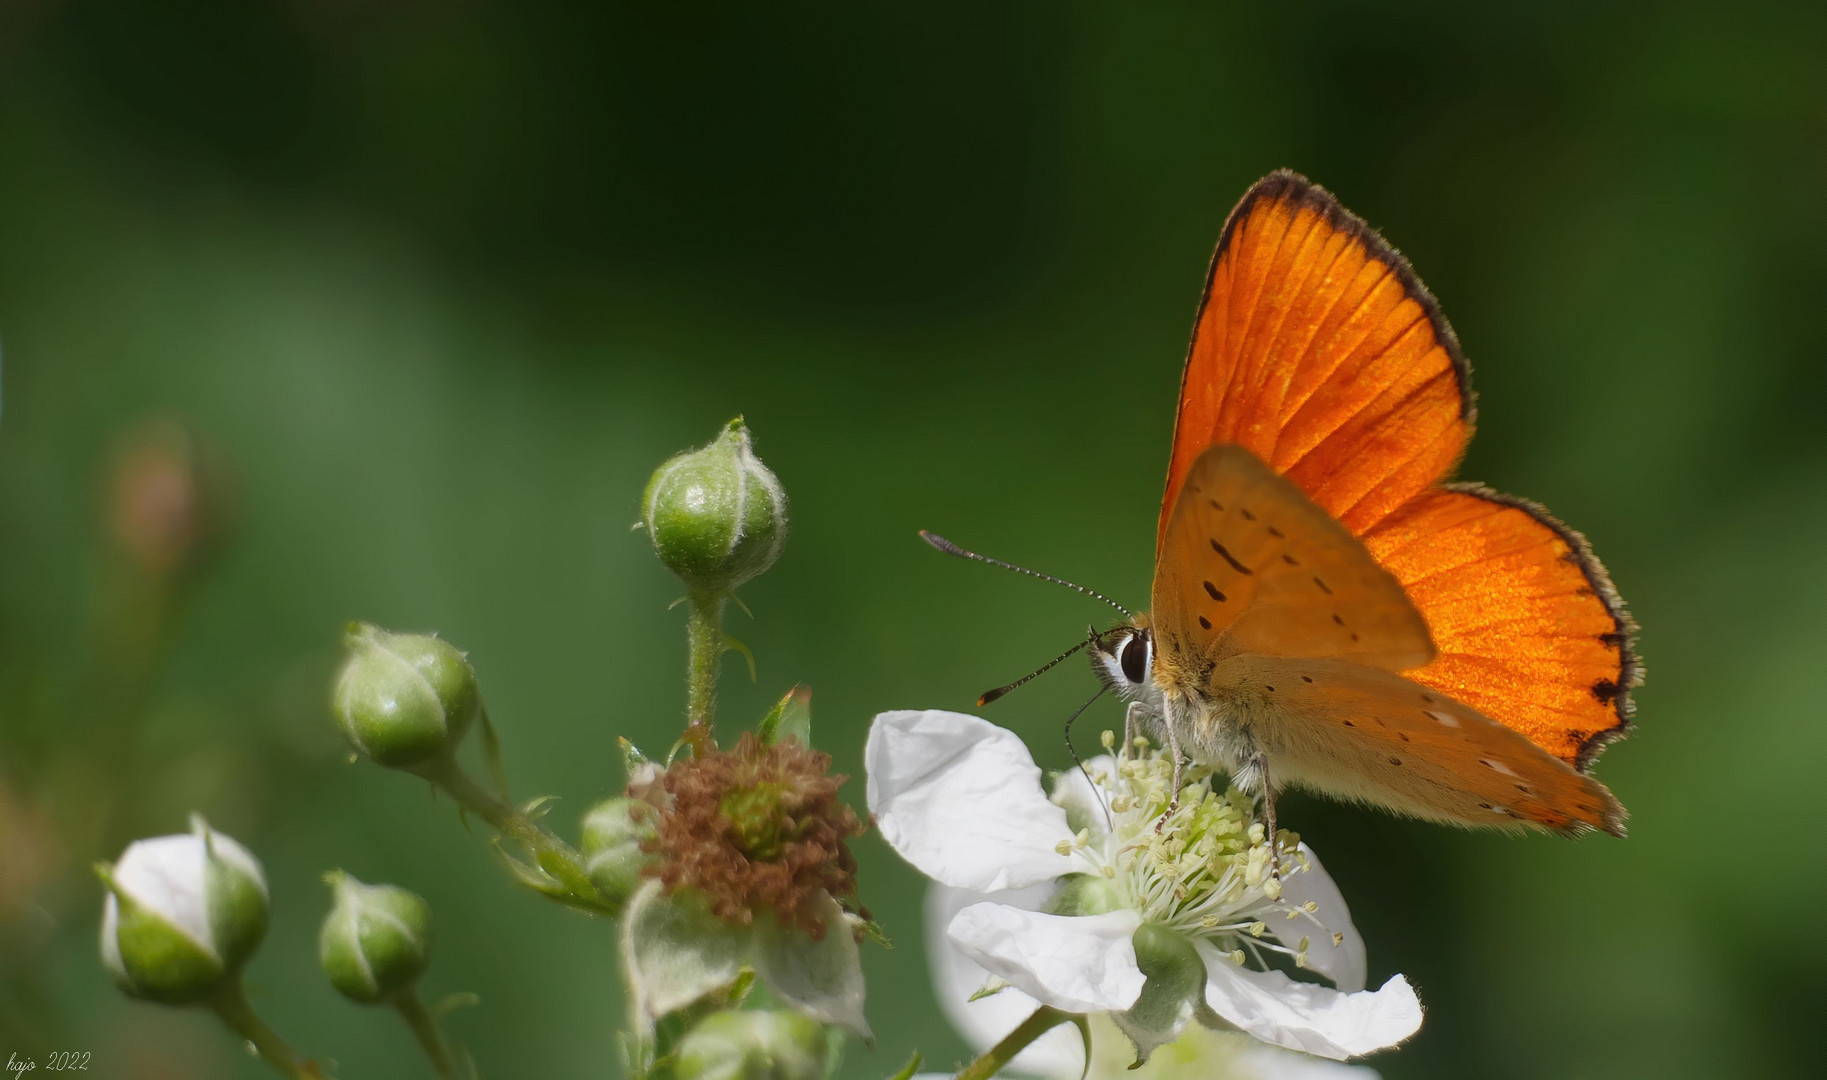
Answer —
1230 558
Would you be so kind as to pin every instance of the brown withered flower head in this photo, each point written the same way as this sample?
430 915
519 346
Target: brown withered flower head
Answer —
756 828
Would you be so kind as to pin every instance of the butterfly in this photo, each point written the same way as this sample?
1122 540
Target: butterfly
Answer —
1328 611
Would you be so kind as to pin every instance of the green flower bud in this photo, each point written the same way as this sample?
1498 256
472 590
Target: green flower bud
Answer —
615 831
183 913
402 699
376 940
753 1046
717 516
1176 982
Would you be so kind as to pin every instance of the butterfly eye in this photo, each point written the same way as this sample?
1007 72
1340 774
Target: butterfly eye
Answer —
1134 658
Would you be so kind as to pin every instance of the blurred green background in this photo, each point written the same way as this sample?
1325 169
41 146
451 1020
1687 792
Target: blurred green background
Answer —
413 296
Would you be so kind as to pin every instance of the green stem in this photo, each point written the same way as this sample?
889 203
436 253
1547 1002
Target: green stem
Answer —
1043 1020
231 1004
425 1027
705 646
560 860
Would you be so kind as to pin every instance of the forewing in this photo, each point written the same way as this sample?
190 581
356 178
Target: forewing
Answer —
1251 564
1358 733
1528 625
1318 349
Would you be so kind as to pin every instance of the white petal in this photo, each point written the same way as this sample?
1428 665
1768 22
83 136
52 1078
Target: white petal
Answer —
1261 1062
1309 1017
984 1022
1343 963
110 937
166 874
1087 806
823 978
960 798
676 953
1078 963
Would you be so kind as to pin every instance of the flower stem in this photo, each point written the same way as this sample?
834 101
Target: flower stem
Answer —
1041 1021
231 1004
425 1027
563 863
705 646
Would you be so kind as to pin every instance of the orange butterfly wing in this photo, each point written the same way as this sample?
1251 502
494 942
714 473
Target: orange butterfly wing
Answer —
1528 626
1318 349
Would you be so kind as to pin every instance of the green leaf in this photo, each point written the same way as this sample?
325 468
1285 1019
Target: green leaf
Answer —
913 1066
873 931
1176 981
791 717
735 644
989 989
633 761
527 874
491 755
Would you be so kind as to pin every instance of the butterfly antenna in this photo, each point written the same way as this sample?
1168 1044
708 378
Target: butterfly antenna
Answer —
950 548
992 695
1086 773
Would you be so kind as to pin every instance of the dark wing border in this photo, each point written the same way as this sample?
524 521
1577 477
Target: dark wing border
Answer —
1623 634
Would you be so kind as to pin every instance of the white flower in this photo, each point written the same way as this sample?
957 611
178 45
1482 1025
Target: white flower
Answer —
182 913
983 1019
1154 926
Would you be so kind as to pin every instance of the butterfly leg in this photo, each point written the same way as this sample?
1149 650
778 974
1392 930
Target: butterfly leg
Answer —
1260 766
1173 747
1132 726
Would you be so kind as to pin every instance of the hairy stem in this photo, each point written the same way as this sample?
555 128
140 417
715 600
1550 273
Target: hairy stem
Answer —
564 863
425 1027
1041 1021
705 646
231 1004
